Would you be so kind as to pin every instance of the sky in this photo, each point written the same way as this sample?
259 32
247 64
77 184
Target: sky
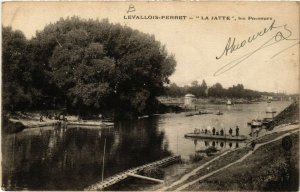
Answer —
195 42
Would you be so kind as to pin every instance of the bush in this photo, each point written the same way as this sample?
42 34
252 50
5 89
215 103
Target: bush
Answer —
153 172
197 157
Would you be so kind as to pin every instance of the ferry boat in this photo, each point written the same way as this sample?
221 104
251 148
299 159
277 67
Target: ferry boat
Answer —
219 137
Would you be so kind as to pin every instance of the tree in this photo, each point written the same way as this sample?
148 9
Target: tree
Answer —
98 65
236 91
203 89
195 89
17 71
175 91
216 90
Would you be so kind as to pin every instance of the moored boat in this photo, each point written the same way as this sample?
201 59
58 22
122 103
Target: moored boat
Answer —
188 115
90 123
220 137
204 113
266 121
256 123
219 113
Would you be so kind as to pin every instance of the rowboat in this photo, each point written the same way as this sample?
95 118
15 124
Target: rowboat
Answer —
255 123
219 113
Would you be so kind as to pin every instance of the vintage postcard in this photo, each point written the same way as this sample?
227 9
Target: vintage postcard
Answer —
150 96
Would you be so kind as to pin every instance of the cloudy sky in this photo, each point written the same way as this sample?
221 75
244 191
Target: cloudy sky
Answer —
195 42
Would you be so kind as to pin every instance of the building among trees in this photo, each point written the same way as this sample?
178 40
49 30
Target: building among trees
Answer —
189 100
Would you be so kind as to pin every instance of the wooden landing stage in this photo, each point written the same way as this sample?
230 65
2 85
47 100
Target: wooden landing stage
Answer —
219 137
132 172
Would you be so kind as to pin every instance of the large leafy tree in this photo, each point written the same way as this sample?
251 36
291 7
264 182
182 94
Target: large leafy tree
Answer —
98 65
17 90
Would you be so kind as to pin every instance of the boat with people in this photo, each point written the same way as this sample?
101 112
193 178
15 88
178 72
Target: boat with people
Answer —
219 137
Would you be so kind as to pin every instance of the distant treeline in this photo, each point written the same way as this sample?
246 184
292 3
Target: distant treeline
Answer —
216 90
84 66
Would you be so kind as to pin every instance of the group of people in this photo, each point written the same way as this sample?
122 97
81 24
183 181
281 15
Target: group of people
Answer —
217 132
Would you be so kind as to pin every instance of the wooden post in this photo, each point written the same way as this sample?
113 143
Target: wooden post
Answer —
103 159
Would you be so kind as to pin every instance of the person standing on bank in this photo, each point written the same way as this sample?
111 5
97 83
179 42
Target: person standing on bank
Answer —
214 130
230 131
222 132
237 130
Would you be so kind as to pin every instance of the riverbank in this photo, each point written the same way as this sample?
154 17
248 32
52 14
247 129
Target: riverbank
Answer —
21 121
208 100
264 167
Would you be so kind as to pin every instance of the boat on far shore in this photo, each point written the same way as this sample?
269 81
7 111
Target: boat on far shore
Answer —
219 113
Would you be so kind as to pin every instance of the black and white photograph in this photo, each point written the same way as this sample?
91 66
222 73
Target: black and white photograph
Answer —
150 96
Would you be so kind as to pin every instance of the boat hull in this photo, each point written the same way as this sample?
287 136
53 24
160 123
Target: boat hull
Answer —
219 137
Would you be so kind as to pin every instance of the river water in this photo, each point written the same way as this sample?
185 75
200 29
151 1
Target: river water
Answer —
56 158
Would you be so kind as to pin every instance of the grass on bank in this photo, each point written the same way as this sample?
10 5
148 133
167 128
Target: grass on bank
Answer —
268 168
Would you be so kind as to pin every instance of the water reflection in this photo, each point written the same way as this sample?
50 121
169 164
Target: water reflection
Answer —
68 158
202 144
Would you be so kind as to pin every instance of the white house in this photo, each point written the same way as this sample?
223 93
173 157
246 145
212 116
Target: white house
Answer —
189 100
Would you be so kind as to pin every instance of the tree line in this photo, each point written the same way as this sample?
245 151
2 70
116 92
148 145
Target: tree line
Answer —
216 90
84 65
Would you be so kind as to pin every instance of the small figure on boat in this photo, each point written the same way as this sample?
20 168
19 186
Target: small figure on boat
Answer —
217 132
206 143
205 131
213 130
237 130
230 131
222 132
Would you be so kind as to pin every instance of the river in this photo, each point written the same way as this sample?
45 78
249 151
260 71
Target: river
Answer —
55 158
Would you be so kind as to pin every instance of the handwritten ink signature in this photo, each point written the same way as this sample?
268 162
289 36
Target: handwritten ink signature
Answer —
131 8
231 46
